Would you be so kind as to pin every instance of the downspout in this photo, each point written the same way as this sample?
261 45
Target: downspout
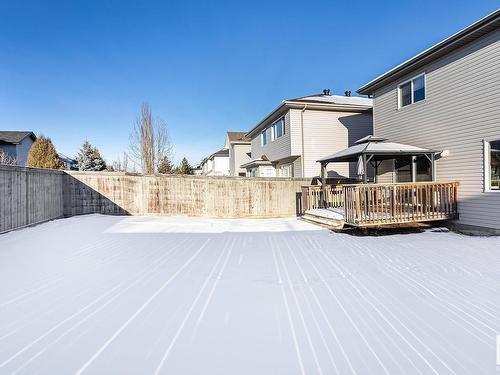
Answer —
302 139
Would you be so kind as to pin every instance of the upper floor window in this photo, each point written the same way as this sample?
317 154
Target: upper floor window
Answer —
412 91
492 159
263 138
278 128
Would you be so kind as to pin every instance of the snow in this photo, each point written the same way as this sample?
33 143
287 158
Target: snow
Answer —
122 295
329 213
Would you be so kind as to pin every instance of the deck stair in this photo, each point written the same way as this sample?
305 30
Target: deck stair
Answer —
324 217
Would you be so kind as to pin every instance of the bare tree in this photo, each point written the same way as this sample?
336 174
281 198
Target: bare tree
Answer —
6 159
120 165
149 141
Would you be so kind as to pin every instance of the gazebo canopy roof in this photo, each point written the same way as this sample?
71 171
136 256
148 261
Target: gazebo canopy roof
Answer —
376 147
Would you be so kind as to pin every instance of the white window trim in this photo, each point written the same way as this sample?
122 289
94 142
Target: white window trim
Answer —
273 128
262 144
486 166
411 90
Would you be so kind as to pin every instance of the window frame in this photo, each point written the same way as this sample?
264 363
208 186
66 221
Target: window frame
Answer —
263 136
487 165
410 81
274 126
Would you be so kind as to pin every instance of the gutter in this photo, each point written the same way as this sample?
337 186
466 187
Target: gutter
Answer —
302 164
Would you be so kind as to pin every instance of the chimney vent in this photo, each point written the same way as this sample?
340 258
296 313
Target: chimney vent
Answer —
326 92
347 93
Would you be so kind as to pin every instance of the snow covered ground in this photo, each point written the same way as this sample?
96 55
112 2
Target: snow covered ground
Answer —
144 295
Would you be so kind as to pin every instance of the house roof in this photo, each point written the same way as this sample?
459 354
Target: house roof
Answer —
256 163
333 99
316 102
378 147
221 152
464 36
238 137
15 137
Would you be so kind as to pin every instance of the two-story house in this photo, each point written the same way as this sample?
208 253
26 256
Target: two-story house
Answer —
239 147
217 164
289 140
447 98
17 144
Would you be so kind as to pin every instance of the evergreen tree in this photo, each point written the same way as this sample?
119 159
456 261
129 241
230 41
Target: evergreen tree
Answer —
98 163
184 167
84 157
89 158
165 167
43 154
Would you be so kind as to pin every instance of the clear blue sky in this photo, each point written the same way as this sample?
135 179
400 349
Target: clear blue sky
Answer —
76 70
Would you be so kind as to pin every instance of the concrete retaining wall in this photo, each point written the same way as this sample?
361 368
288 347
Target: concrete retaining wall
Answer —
29 196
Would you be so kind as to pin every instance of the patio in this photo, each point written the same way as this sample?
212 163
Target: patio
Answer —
106 294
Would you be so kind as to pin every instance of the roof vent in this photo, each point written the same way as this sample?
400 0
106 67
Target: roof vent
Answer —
326 92
347 93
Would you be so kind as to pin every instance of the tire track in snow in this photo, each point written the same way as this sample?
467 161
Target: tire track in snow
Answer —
212 290
191 308
288 312
347 315
396 319
69 318
140 309
316 320
299 310
143 278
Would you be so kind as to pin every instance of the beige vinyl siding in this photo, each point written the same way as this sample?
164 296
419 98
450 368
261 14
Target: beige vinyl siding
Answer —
327 132
238 156
462 107
297 167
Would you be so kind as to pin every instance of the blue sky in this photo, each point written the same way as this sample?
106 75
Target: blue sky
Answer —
76 70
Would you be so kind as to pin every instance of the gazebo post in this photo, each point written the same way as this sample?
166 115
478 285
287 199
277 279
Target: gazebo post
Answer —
365 172
323 184
413 169
433 167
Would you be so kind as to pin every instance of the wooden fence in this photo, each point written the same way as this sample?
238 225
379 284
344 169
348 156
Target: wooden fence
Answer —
29 196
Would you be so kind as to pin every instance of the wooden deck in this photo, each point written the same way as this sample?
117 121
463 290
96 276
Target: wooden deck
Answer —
386 204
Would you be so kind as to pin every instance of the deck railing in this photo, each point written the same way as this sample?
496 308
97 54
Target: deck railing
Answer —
313 197
380 204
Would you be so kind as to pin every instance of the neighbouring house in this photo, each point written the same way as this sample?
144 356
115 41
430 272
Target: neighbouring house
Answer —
69 163
17 145
197 170
216 164
447 98
239 147
290 139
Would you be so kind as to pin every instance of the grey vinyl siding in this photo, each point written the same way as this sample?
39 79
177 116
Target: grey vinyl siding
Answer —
273 150
461 109
23 150
327 132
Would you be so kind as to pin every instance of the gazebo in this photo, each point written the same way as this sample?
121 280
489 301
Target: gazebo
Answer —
373 151
374 204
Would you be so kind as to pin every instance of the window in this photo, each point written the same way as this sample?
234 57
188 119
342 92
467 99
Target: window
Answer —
278 128
412 91
492 158
263 138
